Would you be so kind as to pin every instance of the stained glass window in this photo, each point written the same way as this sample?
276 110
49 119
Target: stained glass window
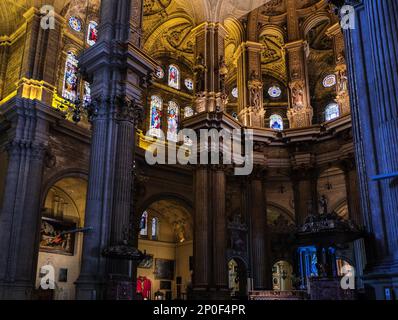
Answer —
87 94
329 81
159 73
235 92
172 121
155 226
70 84
275 92
75 24
332 112
156 116
189 84
144 225
174 77
276 122
92 33
188 112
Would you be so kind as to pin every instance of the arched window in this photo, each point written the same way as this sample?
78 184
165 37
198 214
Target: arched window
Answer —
235 93
92 33
155 228
276 122
155 125
87 94
144 225
188 112
172 121
332 112
174 77
70 84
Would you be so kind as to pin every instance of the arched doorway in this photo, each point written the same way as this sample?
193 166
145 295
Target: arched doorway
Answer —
62 212
166 235
282 273
237 279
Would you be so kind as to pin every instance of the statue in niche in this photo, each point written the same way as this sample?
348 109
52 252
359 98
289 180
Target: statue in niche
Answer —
343 81
179 228
298 96
199 72
255 86
237 244
323 204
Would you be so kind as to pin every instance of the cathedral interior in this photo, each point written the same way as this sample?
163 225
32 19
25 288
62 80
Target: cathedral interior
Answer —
88 86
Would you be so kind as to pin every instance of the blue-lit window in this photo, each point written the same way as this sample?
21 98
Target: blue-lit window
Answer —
332 112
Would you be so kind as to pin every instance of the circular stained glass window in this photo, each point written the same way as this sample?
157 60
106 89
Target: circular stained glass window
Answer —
235 93
329 81
189 84
75 24
274 92
159 73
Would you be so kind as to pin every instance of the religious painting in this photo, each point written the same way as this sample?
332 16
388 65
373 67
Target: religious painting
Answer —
172 121
276 122
174 77
156 116
164 269
147 263
92 33
70 86
56 238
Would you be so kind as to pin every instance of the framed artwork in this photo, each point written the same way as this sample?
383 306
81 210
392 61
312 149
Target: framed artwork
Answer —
164 269
165 285
63 275
147 263
54 236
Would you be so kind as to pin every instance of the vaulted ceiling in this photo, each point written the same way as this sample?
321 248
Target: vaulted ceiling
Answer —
11 11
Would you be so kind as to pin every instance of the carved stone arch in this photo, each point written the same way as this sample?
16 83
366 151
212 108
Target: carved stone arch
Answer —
313 20
288 214
60 175
185 202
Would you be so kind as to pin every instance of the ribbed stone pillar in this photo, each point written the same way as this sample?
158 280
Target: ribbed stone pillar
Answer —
202 234
220 264
259 240
372 59
119 72
20 214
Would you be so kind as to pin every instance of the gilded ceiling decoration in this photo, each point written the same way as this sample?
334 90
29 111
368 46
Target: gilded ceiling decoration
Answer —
152 7
273 57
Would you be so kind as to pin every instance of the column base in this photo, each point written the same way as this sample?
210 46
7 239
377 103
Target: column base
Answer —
120 288
210 294
19 290
89 288
381 280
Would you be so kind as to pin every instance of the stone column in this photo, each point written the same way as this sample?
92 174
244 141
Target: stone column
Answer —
259 240
210 69
21 208
305 194
220 264
250 85
202 232
300 113
351 182
342 94
372 55
119 70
